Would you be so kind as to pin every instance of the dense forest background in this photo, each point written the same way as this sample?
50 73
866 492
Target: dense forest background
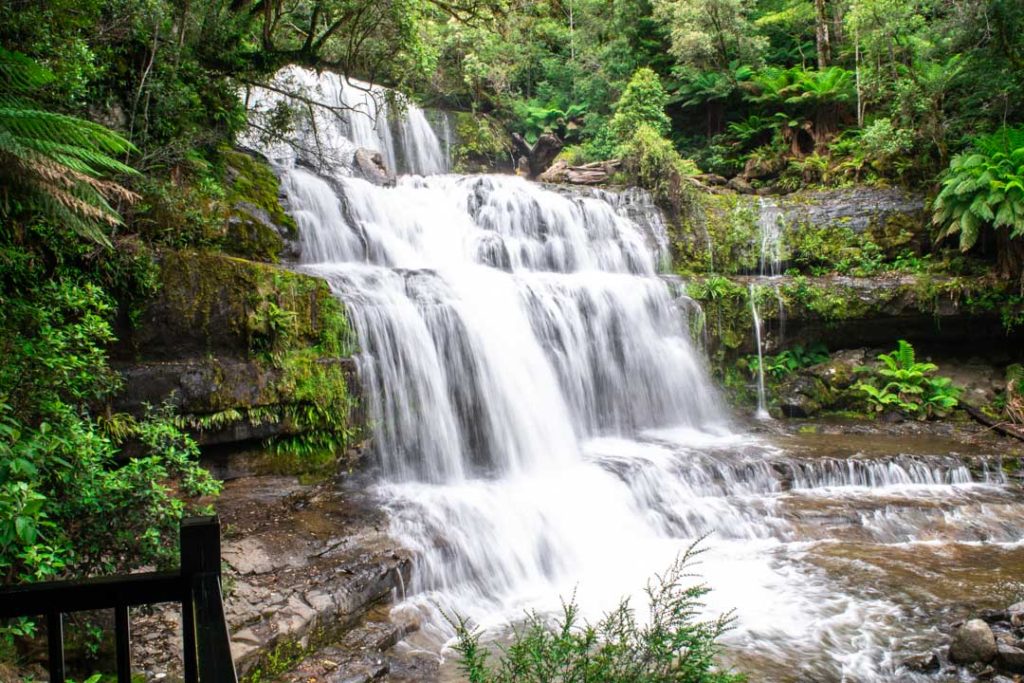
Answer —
117 121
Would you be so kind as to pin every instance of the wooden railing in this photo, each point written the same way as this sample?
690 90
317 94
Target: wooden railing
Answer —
196 585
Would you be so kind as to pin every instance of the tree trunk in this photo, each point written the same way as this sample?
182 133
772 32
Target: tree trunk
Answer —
1009 255
821 34
539 155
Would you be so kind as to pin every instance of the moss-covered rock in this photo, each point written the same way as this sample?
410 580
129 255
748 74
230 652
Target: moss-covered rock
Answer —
212 303
859 230
257 223
846 312
245 350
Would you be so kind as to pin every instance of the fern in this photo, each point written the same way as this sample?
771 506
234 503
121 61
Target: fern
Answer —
53 164
909 385
983 188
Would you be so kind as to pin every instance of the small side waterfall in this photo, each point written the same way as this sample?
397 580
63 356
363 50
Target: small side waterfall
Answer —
762 401
770 222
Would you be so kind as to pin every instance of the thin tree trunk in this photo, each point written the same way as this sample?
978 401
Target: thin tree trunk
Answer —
821 34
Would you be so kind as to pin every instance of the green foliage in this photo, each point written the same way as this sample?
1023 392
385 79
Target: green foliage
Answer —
789 360
52 164
75 504
984 188
651 161
642 104
904 384
672 644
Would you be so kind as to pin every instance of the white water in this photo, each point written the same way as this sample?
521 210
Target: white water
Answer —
770 223
347 114
544 426
762 400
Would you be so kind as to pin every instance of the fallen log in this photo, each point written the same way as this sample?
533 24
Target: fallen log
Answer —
1005 428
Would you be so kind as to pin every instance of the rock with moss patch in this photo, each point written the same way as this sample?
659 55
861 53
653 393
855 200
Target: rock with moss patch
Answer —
803 395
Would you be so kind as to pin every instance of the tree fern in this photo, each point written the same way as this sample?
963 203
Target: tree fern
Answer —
53 164
983 188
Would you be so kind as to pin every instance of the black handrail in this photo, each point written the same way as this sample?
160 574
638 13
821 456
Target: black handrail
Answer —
196 585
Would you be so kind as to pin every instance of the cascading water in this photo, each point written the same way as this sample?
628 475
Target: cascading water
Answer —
349 114
769 227
544 426
762 400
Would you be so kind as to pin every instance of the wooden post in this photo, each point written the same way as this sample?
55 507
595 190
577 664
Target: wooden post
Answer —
200 553
55 645
123 644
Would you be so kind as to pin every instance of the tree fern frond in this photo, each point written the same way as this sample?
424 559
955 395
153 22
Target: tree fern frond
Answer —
54 164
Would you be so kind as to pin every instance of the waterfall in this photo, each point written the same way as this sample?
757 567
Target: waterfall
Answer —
544 427
762 403
769 228
770 222
338 115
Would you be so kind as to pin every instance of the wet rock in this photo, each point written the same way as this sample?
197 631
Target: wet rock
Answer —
994 616
882 211
370 165
926 662
1010 658
1016 613
802 395
973 643
740 185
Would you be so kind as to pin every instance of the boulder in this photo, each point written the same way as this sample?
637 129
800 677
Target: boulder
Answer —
370 165
1016 613
973 643
740 185
840 370
712 179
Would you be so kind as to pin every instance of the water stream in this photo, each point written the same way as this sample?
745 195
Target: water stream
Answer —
544 425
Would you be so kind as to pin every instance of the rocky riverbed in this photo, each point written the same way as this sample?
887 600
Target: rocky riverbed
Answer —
305 567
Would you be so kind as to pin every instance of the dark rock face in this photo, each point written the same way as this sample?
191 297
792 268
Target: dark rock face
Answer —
857 208
973 643
1010 658
213 344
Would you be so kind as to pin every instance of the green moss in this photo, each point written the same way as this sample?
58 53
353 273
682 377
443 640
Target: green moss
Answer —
295 331
268 309
252 189
277 661
716 234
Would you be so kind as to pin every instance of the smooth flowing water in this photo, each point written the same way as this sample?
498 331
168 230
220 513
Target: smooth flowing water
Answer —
544 426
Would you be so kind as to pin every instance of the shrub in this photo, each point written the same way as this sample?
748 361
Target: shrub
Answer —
642 104
652 162
673 646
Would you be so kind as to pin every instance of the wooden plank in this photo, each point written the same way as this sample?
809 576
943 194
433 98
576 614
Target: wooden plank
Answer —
29 600
215 663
